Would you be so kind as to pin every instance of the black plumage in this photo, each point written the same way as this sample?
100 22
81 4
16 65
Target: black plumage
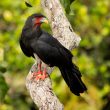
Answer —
34 40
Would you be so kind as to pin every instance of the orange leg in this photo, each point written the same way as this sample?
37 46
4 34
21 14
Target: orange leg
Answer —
39 74
39 70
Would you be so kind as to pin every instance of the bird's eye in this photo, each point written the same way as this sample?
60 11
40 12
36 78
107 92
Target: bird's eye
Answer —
34 21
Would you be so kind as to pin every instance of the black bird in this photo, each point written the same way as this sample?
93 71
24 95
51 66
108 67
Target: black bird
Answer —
36 42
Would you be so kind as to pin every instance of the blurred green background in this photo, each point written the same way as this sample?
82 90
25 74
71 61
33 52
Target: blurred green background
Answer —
91 20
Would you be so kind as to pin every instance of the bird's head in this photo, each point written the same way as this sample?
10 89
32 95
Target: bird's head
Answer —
36 20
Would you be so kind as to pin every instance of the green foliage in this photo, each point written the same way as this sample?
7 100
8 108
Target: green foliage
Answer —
2 69
3 85
3 88
90 19
67 6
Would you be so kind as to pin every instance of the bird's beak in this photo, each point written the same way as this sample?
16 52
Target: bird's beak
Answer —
44 20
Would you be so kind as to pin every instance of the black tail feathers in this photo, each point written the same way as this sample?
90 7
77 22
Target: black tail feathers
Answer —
72 77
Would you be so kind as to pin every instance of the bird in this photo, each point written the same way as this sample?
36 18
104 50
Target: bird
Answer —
37 43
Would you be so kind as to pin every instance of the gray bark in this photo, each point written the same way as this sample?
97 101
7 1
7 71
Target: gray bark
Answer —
41 90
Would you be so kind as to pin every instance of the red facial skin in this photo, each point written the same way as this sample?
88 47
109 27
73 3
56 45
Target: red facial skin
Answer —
38 21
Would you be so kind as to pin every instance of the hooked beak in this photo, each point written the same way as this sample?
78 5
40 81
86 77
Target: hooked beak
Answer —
44 20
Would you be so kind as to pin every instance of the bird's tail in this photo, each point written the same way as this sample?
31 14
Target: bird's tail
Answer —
72 77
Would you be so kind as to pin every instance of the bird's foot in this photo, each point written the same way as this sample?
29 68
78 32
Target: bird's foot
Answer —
43 75
35 74
40 75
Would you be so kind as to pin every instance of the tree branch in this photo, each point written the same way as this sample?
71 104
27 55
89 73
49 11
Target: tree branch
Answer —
41 91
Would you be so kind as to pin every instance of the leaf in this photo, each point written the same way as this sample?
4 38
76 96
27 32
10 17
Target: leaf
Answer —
27 4
71 1
3 88
66 5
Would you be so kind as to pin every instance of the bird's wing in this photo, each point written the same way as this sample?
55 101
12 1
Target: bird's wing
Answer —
46 37
49 39
50 51
26 51
47 53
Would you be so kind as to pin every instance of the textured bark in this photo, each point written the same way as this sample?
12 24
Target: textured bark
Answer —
41 91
